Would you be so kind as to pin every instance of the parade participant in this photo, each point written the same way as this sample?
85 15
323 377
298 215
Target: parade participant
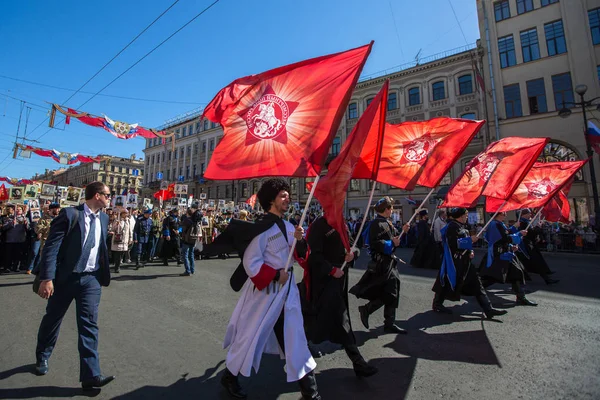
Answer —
141 237
34 242
243 215
121 237
424 254
501 265
171 232
324 291
43 227
16 229
191 233
380 283
74 266
458 276
208 224
268 316
530 255
155 234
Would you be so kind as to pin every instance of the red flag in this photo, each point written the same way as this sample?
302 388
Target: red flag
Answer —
251 200
420 153
309 186
166 194
542 182
331 190
3 193
558 208
496 172
282 122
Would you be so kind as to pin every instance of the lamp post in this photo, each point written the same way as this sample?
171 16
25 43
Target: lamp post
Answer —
564 113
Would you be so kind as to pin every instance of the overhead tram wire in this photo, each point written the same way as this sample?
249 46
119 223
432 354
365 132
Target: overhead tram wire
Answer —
146 55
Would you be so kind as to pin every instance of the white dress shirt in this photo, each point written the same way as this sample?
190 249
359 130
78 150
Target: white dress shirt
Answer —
91 264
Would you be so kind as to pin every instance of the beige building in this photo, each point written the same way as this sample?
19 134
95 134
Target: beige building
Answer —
440 85
116 172
536 53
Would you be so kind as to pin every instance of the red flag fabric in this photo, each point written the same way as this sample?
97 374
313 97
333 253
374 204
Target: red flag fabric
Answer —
282 122
542 182
496 172
3 193
419 153
251 200
332 189
166 194
558 209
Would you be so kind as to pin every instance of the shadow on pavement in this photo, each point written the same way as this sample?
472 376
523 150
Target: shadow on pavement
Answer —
123 278
46 392
30 282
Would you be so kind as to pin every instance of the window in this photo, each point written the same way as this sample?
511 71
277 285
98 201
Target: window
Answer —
181 151
202 168
556 152
177 134
465 84
548 2
293 186
197 127
594 16
536 95
211 146
524 6
174 174
469 116
189 151
512 101
208 193
414 96
563 90
180 171
308 184
153 158
354 185
369 101
206 124
392 101
218 192
195 148
244 189
555 38
184 131
187 172
506 48
227 191
255 187
204 146
194 171
214 125
501 10
335 147
114 169
168 175
352 111
175 155
530 45
439 91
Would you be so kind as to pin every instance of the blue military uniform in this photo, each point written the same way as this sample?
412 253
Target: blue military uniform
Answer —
141 234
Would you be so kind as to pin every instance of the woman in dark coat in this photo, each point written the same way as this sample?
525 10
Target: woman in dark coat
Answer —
501 265
425 253
458 275
530 255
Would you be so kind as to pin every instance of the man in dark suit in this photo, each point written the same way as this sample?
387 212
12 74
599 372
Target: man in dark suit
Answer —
74 266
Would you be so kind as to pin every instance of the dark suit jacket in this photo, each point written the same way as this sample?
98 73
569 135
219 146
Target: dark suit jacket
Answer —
63 248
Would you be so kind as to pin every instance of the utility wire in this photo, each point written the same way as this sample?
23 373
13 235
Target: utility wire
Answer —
397 34
458 22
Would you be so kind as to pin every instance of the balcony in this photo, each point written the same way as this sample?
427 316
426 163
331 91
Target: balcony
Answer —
438 103
414 109
395 113
465 98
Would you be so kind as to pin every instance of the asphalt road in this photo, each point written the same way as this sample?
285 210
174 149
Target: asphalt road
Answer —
161 335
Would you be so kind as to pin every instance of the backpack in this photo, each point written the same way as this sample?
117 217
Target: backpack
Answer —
194 232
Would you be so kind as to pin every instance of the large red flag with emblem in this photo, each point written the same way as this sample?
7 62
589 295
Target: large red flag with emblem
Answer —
496 172
332 189
558 209
542 182
419 153
282 122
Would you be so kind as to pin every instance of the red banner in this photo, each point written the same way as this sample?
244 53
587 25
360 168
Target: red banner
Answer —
251 200
282 122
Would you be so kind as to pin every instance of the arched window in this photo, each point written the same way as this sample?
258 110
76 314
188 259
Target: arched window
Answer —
465 84
335 146
439 90
352 111
392 101
414 96
369 100
554 152
469 116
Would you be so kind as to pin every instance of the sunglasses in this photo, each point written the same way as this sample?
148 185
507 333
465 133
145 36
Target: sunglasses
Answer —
106 195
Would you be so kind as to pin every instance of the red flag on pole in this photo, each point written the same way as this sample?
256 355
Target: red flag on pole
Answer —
419 153
251 200
542 182
282 122
558 208
332 189
3 193
496 172
165 194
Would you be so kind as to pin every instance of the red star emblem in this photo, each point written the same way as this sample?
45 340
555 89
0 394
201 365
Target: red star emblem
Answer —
267 118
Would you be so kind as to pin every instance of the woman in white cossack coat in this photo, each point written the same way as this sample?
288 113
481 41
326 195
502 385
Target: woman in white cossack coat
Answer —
121 239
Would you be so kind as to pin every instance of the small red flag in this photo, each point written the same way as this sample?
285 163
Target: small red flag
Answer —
251 200
542 182
3 193
420 153
558 209
332 189
166 194
282 122
496 172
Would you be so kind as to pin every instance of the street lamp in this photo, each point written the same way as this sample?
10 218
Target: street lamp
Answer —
564 113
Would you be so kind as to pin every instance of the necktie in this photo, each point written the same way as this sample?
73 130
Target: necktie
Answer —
89 244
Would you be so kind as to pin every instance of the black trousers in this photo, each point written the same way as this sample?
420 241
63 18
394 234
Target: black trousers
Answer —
15 255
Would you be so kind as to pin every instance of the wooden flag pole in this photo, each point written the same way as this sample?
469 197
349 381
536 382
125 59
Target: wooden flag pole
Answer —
487 224
417 210
533 219
302 218
435 214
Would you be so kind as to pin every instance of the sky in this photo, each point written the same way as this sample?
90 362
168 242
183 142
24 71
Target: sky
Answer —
63 44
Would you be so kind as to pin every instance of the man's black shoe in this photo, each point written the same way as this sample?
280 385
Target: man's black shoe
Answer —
492 312
394 329
230 382
524 301
364 370
185 274
364 315
550 281
41 367
96 382
440 308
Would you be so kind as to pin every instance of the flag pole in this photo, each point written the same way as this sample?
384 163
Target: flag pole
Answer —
362 224
417 210
310 196
533 219
435 214
487 224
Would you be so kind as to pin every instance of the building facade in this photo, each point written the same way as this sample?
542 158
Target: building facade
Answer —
536 53
440 85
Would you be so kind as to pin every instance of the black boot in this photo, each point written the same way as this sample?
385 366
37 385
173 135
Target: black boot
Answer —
389 324
521 299
548 280
308 387
230 382
369 309
489 311
361 368
438 304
